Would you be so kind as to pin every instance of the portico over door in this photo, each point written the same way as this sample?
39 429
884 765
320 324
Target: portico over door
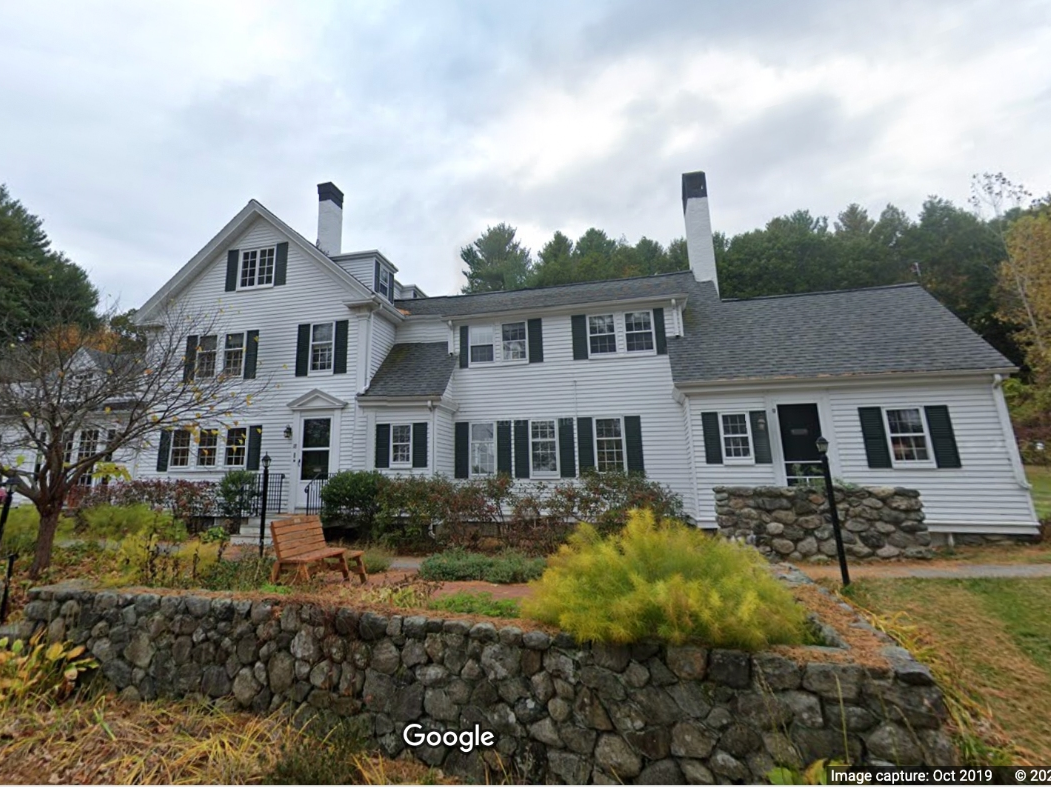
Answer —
319 417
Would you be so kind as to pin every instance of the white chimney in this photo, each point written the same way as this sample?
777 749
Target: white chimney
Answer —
329 219
699 228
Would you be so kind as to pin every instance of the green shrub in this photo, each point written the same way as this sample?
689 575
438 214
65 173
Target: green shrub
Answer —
481 604
237 493
503 568
248 573
668 581
350 499
377 559
106 521
23 525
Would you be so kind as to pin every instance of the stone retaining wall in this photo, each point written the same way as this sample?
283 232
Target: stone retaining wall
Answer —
793 523
561 712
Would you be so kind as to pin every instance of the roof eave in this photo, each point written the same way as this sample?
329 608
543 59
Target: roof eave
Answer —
588 306
689 386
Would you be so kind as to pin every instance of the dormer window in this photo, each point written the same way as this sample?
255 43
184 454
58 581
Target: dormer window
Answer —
257 268
385 283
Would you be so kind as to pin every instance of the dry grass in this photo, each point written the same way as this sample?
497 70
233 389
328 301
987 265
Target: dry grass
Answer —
102 740
985 647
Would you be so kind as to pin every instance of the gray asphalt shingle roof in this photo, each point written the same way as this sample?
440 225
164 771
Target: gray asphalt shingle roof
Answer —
413 369
559 295
898 328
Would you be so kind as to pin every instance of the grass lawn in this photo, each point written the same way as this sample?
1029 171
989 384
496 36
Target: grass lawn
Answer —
994 638
1040 477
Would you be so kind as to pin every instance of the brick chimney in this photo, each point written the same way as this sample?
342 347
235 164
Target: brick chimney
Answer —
699 228
329 219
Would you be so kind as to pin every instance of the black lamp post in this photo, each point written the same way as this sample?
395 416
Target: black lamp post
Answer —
830 493
9 494
262 509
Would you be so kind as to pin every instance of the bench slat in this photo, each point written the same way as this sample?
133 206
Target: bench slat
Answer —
300 541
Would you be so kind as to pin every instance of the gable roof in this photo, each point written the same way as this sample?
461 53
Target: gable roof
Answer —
252 211
608 290
878 330
413 369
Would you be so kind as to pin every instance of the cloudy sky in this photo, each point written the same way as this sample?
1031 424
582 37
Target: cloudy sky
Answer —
137 130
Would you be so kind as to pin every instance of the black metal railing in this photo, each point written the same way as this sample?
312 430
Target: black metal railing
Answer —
313 492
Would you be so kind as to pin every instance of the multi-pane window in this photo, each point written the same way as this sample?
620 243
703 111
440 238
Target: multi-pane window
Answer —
609 445
235 446
385 285
321 347
544 447
89 444
207 448
234 355
69 441
257 267
514 339
481 344
206 352
601 334
908 438
737 443
638 331
401 444
483 449
180 455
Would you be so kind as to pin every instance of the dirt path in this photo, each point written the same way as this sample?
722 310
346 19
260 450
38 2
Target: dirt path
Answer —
927 569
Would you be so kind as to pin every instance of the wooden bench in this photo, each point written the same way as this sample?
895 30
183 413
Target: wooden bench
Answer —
300 542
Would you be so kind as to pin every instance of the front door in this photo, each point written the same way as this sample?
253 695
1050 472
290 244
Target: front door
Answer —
314 459
800 429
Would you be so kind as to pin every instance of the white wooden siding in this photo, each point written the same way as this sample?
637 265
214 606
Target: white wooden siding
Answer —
404 415
423 330
383 333
361 268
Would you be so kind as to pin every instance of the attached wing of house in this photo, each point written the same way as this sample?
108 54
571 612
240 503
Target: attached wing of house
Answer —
654 374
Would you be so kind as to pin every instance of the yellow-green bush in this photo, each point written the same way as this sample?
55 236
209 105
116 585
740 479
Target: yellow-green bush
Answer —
147 561
23 525
106 521
667 581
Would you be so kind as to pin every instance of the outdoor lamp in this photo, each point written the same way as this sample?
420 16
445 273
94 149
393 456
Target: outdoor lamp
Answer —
288 432
822 445
266 460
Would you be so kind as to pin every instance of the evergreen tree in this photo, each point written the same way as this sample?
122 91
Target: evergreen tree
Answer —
496 261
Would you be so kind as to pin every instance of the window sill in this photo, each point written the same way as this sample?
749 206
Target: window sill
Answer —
916 465
244 288
739 461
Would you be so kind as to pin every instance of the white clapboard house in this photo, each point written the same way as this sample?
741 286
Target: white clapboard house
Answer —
655 374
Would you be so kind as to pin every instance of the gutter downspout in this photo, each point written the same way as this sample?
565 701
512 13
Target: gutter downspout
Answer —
1008 433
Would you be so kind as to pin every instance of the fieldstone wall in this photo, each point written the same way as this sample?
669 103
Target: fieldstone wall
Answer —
793 523
561 712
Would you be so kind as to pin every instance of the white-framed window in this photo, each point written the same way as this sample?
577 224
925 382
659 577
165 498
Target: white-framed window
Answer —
81 385
401 444
602 336
737 438
236 438
207 448
909 437
89 444
514 341
609 445
638 331
180 451
481 339
207 349
257 268
69 442
385 285
234 355
483 449
543 448
321 347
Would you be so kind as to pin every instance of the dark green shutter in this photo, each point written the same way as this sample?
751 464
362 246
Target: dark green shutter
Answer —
713 447
585 444
190 359
232 258
419 445
503 447
566 449
521 449
658 328
303 350
376 277
281 264
465 350
633 444
535 332
942 436
580 337
339 363
251 355
163 450
875 437
462 450
383 445
255 444
760 437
